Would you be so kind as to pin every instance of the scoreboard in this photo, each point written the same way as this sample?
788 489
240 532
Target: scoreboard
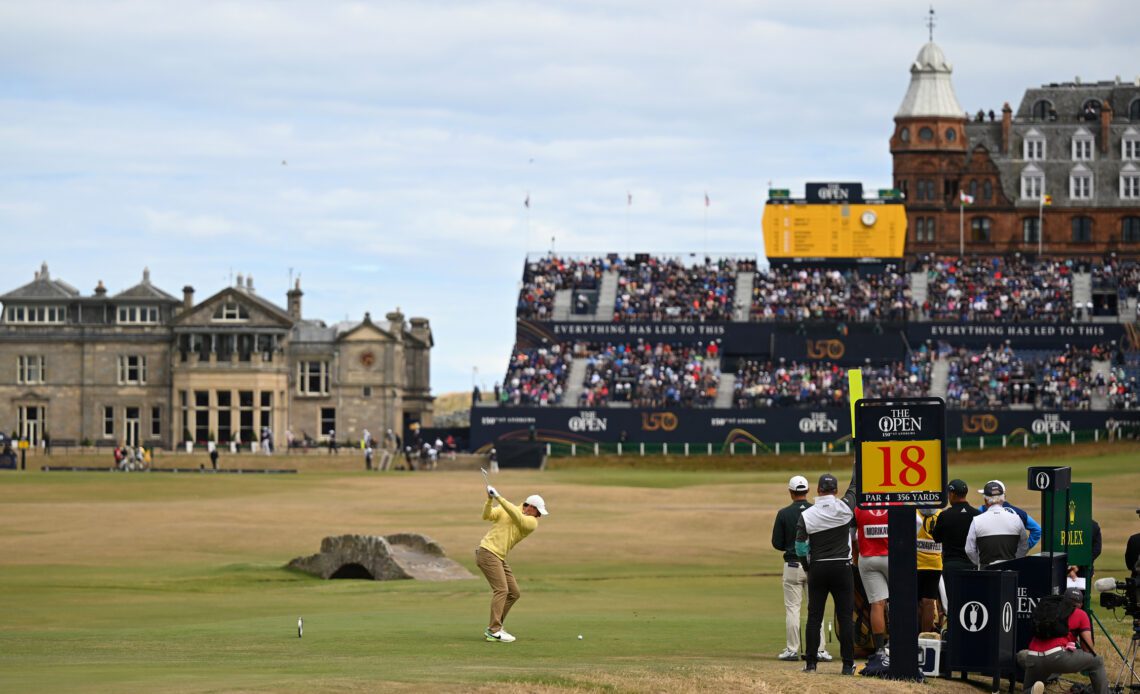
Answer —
834 221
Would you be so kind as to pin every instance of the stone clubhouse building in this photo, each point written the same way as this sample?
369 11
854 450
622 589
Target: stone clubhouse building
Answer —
144 367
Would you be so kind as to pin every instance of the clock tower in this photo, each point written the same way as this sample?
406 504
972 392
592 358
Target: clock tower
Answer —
928 149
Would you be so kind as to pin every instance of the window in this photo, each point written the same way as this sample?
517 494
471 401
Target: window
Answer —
1091 110
1030 229
924 230
1080 184
1033 147
1130 145
313 378
930 190
1134 110
132 369
1082 145
925 134
35 314
980 229
1130 230
366 392
108 421
904 134
1130 183
951 134
988 190
974 188
328 421
1042 109
156 422
30 369
1032 183
1082 230
231 311
138 314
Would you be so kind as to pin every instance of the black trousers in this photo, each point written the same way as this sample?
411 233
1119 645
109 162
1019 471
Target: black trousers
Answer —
832 577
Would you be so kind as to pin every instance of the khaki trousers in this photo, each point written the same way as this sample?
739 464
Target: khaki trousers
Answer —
504 589
795 581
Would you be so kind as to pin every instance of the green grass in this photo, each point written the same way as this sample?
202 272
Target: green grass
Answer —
175 583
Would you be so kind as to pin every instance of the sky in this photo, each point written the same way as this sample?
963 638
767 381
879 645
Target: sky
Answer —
382 151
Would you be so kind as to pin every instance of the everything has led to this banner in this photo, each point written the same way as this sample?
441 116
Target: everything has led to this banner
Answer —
900 457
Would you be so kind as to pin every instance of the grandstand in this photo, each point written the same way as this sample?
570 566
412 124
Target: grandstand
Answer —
734 350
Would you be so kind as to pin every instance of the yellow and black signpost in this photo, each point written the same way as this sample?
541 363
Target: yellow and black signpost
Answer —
900 465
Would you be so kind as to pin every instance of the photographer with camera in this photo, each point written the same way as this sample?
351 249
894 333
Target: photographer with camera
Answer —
1132 553
1062 643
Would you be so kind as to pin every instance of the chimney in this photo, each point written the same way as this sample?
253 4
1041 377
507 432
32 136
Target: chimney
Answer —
146 275
187 297
100 290
240 281
43 272
293 300
1105 120
396 322
1006 127
249 283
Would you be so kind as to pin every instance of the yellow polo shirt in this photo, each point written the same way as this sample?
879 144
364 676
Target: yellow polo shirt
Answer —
511 525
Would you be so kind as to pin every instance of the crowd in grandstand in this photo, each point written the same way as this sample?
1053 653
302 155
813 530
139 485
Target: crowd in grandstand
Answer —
674 290
650 375
536 376
822 294
545 276
996 289
822 384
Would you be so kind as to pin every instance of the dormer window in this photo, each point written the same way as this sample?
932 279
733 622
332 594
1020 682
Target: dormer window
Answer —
1042 110
1091 110
35 314
1082 145
1130 144
1080 183
139 315
1033 147
1134 110
231 311
1130 182
1032 183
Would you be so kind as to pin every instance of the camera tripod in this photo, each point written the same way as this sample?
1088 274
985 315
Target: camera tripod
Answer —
1122 684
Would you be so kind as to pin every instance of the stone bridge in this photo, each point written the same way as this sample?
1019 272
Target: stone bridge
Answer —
391 557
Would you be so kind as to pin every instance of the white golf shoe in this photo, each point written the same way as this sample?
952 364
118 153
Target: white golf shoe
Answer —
788 654
501 636
823 656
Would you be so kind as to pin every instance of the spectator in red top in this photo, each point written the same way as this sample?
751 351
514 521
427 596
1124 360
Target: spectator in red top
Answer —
871 526
1072 652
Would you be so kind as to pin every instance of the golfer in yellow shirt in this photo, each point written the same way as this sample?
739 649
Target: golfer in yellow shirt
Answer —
511 525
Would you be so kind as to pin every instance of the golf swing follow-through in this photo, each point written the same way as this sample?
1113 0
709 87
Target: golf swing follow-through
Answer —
511 525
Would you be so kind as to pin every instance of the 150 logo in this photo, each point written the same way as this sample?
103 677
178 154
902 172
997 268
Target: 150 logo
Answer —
826 349
658 421
979 423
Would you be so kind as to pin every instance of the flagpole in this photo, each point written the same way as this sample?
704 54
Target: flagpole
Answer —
1040 224
628 204
961 227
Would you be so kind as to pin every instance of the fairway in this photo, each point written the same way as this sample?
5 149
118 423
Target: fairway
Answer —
160 582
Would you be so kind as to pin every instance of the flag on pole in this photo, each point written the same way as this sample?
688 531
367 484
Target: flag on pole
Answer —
964 198
526 203
706 199
1046 200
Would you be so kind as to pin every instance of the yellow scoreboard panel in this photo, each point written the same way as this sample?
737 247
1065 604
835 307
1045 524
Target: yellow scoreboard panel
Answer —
797 229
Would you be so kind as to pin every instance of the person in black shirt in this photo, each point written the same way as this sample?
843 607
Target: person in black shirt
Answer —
823 543
795 578
1132 552
952 527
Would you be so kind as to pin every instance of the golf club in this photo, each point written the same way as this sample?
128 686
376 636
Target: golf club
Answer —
485 480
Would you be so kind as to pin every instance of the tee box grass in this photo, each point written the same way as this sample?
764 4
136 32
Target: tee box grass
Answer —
163 582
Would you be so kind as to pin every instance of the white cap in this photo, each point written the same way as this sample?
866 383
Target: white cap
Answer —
536 501
798 483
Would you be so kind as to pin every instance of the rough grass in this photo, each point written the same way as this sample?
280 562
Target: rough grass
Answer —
136 582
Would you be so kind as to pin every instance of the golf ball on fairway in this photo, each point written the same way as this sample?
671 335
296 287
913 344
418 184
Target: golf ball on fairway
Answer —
579 637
